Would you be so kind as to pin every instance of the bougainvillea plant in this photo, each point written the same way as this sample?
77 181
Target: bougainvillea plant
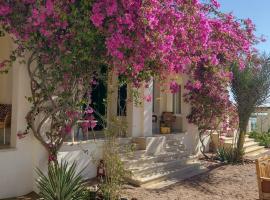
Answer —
70 39
64 54
211 108
172 37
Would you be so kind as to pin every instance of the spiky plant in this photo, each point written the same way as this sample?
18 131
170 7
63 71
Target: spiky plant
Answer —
61 183
250 88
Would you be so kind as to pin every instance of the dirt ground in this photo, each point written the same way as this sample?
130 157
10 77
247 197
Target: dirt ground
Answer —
231 182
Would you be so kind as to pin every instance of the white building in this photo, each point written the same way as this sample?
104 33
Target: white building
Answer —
20 157
260 119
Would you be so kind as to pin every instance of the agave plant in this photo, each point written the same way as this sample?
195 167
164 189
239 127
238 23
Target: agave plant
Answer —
61 183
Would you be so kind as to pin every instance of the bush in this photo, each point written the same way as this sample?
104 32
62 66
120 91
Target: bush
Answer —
229 155
115 169
262 138
61 183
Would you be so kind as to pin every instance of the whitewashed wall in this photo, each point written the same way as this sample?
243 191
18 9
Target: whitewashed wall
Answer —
16 163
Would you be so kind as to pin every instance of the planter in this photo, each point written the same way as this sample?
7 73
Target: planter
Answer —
165 130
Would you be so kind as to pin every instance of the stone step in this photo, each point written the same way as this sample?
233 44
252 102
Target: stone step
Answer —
164 175
247 139
176 178
256 154
229 140
139 154
160 167
172 140
253 149
174 149
174 144
250 144
146 160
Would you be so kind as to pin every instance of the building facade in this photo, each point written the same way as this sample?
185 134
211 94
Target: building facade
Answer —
20 157
260 120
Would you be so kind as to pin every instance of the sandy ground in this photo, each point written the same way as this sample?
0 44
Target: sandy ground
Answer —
231 182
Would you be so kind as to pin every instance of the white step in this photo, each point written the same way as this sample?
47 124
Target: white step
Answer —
139 154
253 149
163 175
229 140
256 154
247 139
250 144
178 149
146 160
174 142
176 178
160 167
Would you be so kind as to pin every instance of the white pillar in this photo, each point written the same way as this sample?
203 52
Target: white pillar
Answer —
191 130
139 117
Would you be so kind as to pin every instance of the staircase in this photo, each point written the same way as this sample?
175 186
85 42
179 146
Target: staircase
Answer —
160 161
251 148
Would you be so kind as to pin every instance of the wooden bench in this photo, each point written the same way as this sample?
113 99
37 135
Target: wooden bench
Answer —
5 118
263 176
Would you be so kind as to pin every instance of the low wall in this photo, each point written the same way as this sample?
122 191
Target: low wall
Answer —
85 154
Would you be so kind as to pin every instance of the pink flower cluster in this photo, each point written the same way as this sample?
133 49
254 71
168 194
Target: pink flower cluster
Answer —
143 38
169 36
5 9
207 92
89 120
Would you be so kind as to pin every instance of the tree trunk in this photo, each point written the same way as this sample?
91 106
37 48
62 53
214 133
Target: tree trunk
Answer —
241 139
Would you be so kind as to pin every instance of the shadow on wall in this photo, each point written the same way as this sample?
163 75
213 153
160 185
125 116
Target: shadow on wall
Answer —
86 155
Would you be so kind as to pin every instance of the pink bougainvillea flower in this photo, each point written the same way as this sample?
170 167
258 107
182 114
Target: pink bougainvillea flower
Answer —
215 3
5 9
2 65
89 110
148 98
93 124
174 87
97 19
68 129
197 85
21 135
52 158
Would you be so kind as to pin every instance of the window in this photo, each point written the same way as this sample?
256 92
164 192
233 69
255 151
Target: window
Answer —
177 103
253 123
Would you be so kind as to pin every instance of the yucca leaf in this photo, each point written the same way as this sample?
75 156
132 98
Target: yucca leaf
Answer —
61 183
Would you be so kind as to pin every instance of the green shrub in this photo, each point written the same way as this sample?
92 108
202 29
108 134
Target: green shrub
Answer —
115 170
253 134
262 138
229 155
61 183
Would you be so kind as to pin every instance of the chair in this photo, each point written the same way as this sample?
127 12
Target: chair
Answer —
5 118
263 176
167 120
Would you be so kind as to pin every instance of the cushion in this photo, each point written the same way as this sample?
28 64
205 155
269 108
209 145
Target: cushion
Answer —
266 186
5 109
